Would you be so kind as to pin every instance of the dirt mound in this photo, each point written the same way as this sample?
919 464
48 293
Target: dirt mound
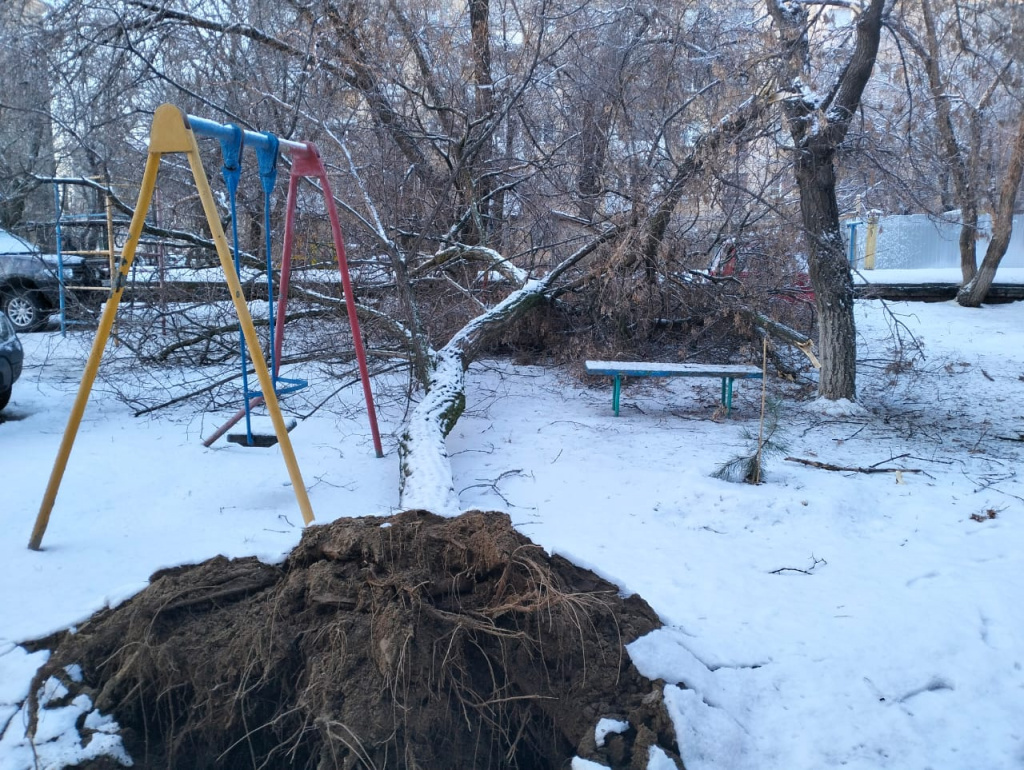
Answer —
412 641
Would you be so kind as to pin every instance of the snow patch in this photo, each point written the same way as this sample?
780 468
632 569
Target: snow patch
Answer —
841 407
578 763
606 727
657 759
901 654
57 743
708 737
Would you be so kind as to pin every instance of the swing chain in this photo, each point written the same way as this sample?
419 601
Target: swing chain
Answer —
231 150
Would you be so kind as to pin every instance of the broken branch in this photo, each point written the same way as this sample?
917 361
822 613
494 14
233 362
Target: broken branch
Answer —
850 469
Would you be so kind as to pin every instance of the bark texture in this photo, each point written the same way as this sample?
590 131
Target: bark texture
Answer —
974 291
818 125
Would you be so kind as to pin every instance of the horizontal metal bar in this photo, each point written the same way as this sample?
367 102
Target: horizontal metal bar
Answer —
93 252
254 139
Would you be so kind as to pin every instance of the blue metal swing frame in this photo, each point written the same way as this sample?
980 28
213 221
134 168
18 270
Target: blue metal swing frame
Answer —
233 140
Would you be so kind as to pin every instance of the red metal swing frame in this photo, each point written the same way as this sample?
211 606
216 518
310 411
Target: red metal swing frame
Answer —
306 163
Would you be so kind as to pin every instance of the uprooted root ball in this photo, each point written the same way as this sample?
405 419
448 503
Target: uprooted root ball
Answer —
413 641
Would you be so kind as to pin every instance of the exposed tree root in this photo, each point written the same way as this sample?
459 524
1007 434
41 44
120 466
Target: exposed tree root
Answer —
414 641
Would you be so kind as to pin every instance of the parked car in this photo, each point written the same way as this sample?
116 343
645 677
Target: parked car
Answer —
11 356
30 287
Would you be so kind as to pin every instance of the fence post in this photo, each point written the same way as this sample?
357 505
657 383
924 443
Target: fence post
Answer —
871 240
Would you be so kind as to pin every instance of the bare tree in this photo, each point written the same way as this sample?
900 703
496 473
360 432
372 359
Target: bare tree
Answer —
969 67
461 140
818 116
973 293
26 139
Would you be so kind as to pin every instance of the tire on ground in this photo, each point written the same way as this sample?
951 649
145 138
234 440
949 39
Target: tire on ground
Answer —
25 310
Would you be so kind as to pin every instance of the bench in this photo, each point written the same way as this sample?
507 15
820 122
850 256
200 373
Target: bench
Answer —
620 369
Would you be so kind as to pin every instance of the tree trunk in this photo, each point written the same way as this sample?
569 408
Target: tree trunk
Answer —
476 184
595 125
730 129
973 293
968 240
601 91
426 479
818 126
829 273
955 154
961 158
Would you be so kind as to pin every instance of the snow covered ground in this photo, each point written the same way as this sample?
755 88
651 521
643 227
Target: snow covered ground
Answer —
822 619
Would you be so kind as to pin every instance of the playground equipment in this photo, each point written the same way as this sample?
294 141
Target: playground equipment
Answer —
232 142
110 252
174 132
306 163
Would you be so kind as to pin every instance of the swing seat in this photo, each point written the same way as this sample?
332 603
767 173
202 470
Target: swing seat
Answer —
289 386
263 434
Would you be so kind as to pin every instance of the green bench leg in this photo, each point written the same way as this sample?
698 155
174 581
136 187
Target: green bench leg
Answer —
616 389
727 395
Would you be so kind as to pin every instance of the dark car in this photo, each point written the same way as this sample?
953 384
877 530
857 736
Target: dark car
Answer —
10 359
30 288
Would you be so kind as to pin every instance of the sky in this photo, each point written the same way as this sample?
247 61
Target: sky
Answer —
821 619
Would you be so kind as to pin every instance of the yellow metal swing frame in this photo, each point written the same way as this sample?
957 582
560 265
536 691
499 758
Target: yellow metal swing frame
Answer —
170 133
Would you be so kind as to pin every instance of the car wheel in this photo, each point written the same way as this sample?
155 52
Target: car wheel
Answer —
5 396
24 310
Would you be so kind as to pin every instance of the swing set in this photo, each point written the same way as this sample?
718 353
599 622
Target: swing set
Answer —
174 132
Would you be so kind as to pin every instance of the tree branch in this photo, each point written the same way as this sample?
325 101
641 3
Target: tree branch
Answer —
846 469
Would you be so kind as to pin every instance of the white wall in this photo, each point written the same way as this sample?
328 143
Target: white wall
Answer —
921 241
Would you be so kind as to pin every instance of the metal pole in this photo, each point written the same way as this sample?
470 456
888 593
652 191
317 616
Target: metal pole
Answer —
60 263
350 298
98 344
253 139
161 269
871 242
111 253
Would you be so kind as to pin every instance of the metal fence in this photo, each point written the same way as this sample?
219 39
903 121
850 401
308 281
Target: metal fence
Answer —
922 241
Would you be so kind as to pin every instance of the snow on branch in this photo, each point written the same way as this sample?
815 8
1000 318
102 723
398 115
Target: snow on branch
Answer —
426 479
426 473
851 5
492 258
806 95
378 227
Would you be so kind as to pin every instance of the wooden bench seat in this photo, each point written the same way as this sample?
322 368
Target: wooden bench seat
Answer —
620 369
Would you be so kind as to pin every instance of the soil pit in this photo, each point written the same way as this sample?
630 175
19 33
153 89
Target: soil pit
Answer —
412 641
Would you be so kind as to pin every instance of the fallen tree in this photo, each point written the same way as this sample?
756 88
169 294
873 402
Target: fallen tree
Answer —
425 468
